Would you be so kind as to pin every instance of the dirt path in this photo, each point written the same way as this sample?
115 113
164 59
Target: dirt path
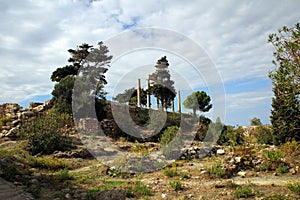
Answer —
10 192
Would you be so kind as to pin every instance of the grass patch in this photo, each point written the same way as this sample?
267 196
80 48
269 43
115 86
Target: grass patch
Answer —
216 170
245 192
294 187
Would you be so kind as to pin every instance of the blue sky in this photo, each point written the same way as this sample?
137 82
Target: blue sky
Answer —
35 37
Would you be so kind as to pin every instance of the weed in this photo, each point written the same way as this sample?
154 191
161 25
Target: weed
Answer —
47 162
294 187
264 166
274 156
276 197
62 175
176 185
282 168
169 134
216 170
245 192
139 189
171 171
185 175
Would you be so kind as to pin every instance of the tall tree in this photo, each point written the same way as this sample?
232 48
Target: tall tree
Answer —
162 86
198 101
285 114
87 63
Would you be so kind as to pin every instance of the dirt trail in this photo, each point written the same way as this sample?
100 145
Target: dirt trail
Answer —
10 192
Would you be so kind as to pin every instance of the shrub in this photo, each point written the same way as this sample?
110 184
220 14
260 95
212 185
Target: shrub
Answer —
274 156
48 133
243 192
263 134
231 136
282 168
247 154
139 189
169 134
176 185
294 187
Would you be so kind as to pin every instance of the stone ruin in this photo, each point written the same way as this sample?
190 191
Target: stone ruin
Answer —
12 114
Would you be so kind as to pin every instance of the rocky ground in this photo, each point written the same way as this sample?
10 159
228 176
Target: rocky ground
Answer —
224 173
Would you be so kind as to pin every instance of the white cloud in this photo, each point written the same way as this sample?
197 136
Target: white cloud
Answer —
35 36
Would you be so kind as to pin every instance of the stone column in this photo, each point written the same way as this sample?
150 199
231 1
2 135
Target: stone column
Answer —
148 95
173 109
179 102
139 93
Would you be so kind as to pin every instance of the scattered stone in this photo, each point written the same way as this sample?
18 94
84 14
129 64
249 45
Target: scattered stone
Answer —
220 151
68 196
293 171
237 159
242 174
34 181
163 195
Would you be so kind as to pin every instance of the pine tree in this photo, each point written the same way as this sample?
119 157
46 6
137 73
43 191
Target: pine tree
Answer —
285 114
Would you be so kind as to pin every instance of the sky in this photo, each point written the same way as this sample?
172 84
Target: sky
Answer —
220 42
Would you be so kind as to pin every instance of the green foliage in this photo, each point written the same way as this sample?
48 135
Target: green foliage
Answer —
169 135
139 189
217 170
231 136
171 171
274 155
47 162
62 95
62 175
48 133
294 187
244 192
198 101
130 95
285 114
255 122
185 175
276 197
263 134
282 168
162 86
176 185
88 66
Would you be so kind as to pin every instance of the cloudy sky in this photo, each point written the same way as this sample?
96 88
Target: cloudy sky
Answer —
229 37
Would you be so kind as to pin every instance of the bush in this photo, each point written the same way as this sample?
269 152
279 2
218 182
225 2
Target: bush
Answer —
263 134
274 156
3 121
231 136
48 133
282 168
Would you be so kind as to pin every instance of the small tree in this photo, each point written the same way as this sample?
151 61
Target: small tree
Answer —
88 62
130 95
198 101
285 114
255 122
